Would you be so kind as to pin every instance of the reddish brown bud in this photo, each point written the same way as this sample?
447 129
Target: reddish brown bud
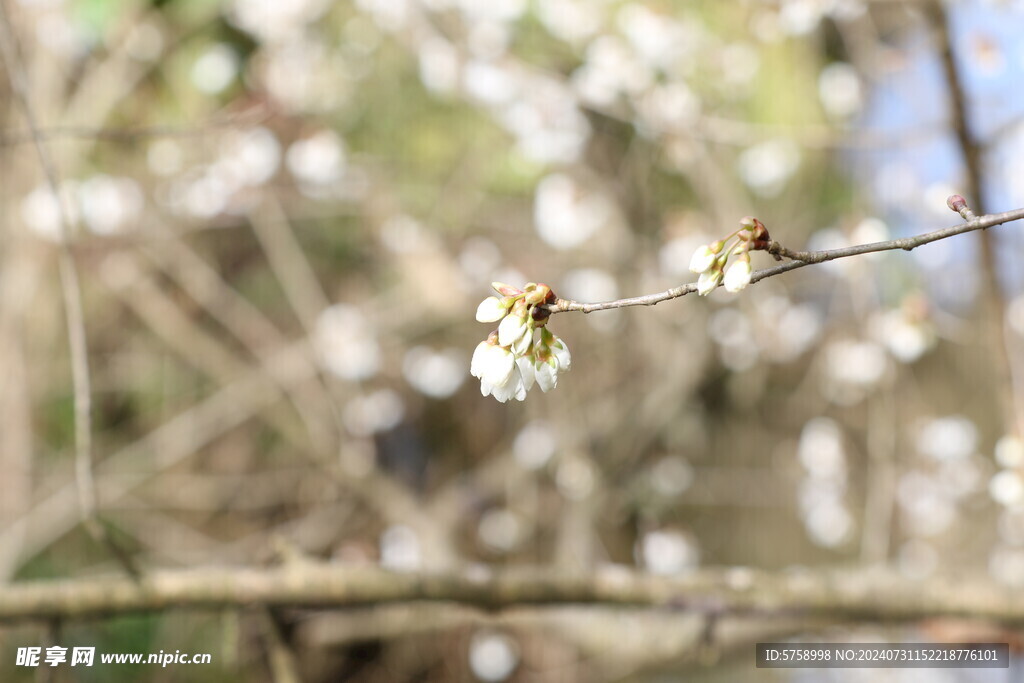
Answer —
956 203
760 232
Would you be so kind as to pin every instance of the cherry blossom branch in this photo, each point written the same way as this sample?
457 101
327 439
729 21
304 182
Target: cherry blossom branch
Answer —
851 595
799 259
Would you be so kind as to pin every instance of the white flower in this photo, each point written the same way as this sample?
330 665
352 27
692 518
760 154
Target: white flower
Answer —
501 374
547 374
518 354
707 281
511 328
561 354
490 310
513 387
492 364
702 259
738 276
476 366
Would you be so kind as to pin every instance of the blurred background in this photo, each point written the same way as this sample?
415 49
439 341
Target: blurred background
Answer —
285 213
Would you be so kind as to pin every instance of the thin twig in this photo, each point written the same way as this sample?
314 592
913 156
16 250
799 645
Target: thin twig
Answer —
284 665
91 134
801 259
72 294
879 595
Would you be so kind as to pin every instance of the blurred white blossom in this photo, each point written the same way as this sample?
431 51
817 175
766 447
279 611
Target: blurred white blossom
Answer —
534 445
215 69
439 65
400 549
927 509
610 68
42 212
575 478
571 20
317 160
566 213
493 656
547 123
347 343
501 530
907 339
668 552
671 476
768 166
373 413
821 449
1006 565
252 155
437 374
165 157
829 523
1007 488
852 368
274 21
1009 451
839 90
947 438
110 205
660 40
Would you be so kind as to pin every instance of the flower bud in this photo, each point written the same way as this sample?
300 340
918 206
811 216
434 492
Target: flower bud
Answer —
702 259
956 203
738 275
506 290
537 294
491 310
708 280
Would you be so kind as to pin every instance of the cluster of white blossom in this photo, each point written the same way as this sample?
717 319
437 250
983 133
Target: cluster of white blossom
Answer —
522 350
710 259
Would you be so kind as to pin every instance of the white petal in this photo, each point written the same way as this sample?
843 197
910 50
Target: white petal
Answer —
547 376
707 281
504 393
702 259
521 347
476 366
514 388
738 276
525 366
490 310
562 355
486 387
511 329
498 365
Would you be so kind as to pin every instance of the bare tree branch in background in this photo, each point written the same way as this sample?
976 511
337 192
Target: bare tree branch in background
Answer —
75 316
876 595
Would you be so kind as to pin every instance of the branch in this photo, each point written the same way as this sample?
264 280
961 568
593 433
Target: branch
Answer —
248 117
71 293
804 258
879 595
991 295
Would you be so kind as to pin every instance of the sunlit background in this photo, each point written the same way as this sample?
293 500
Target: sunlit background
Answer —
285 213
